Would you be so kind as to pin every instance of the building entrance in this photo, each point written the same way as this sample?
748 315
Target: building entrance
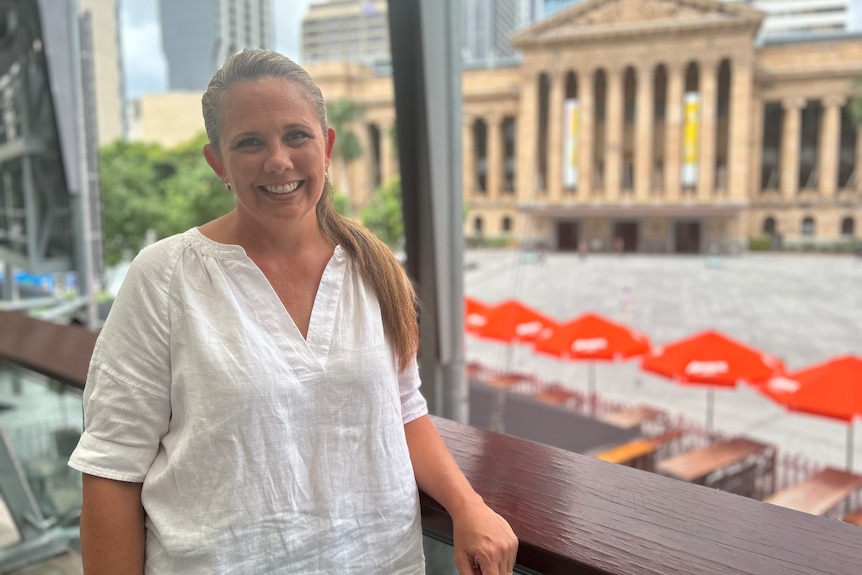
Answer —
626 234
687 237
568 236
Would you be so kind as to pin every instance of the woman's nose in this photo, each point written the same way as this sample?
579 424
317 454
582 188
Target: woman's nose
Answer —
278 160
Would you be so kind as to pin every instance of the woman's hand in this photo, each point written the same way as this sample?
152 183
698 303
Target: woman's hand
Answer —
484 541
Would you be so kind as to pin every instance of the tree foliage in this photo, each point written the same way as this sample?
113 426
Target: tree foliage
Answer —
383 214
340 115
149 187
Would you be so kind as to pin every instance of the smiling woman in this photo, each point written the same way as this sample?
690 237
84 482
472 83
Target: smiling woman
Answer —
253 399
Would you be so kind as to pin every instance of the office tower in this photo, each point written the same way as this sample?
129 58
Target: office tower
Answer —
100 22
795 17
198 35
346 30
486 28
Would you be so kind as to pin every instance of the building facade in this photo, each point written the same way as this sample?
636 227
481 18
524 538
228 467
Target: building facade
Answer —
485 29
103 24
657 126
795 17
199 35
166 118
346 31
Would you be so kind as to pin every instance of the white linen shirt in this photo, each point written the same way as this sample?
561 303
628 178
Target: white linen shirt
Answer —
260 451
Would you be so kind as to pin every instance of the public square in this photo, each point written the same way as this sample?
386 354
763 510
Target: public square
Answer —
804 309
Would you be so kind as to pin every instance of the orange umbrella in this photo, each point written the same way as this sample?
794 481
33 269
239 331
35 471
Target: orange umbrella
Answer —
713 359
513 322
476 314
831 389
592 337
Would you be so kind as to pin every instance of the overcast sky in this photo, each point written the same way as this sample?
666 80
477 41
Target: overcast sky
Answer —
143 61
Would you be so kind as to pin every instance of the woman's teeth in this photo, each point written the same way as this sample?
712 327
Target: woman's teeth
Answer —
283 189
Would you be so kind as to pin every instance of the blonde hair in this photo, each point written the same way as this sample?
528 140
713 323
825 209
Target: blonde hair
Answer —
376 262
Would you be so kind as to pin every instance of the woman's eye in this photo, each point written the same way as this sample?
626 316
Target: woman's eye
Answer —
248 142
296 136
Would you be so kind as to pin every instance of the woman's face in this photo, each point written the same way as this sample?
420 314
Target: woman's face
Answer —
272 151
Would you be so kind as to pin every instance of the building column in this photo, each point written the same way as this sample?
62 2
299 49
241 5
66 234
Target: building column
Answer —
790 142
857 184
614 133
586 95
557 94
644 133
708 116
528 115
495 155
365 169
388 164
741 89
469 155
756 148
673 132
830 142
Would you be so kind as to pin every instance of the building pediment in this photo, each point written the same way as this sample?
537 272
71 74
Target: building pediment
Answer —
601 18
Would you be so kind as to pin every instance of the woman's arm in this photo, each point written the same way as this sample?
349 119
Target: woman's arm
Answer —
484 542
112 527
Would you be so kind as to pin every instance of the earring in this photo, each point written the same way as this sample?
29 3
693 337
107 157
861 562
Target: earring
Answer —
228 186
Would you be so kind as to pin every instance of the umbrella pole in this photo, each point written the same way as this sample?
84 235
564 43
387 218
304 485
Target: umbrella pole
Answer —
591 383
709 407
850 447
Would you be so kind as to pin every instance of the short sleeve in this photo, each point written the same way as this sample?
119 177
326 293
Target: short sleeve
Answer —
127 405
413 404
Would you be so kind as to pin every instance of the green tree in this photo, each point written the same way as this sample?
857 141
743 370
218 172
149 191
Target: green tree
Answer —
148 187
340 116
132 199
383 214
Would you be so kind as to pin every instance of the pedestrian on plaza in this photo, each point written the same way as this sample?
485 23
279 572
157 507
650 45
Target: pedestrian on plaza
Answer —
583 249
253 404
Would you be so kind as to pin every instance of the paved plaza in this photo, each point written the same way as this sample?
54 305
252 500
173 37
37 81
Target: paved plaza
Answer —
803 309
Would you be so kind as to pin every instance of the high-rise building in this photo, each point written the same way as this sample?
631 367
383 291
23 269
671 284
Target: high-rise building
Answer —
100 22
346 30
795 17
485 29
198 35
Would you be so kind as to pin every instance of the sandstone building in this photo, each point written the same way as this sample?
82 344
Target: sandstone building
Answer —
658 125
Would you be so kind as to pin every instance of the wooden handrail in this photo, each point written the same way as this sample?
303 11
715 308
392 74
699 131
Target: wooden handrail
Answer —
575 514
61 352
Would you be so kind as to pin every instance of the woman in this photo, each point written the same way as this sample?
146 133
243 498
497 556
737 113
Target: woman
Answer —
252 404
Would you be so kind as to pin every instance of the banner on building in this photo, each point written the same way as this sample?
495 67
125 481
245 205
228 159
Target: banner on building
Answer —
571 143
691 129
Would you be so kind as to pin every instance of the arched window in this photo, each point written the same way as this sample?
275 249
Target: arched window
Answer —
848 227
769 226
477 225
506 224
808 226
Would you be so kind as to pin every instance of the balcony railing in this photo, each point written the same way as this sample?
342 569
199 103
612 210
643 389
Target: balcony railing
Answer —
573 514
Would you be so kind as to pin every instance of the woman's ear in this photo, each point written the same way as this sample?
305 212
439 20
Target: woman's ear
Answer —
214 161
330 143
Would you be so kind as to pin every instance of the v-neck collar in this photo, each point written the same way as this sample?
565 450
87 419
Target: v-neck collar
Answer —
310 354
